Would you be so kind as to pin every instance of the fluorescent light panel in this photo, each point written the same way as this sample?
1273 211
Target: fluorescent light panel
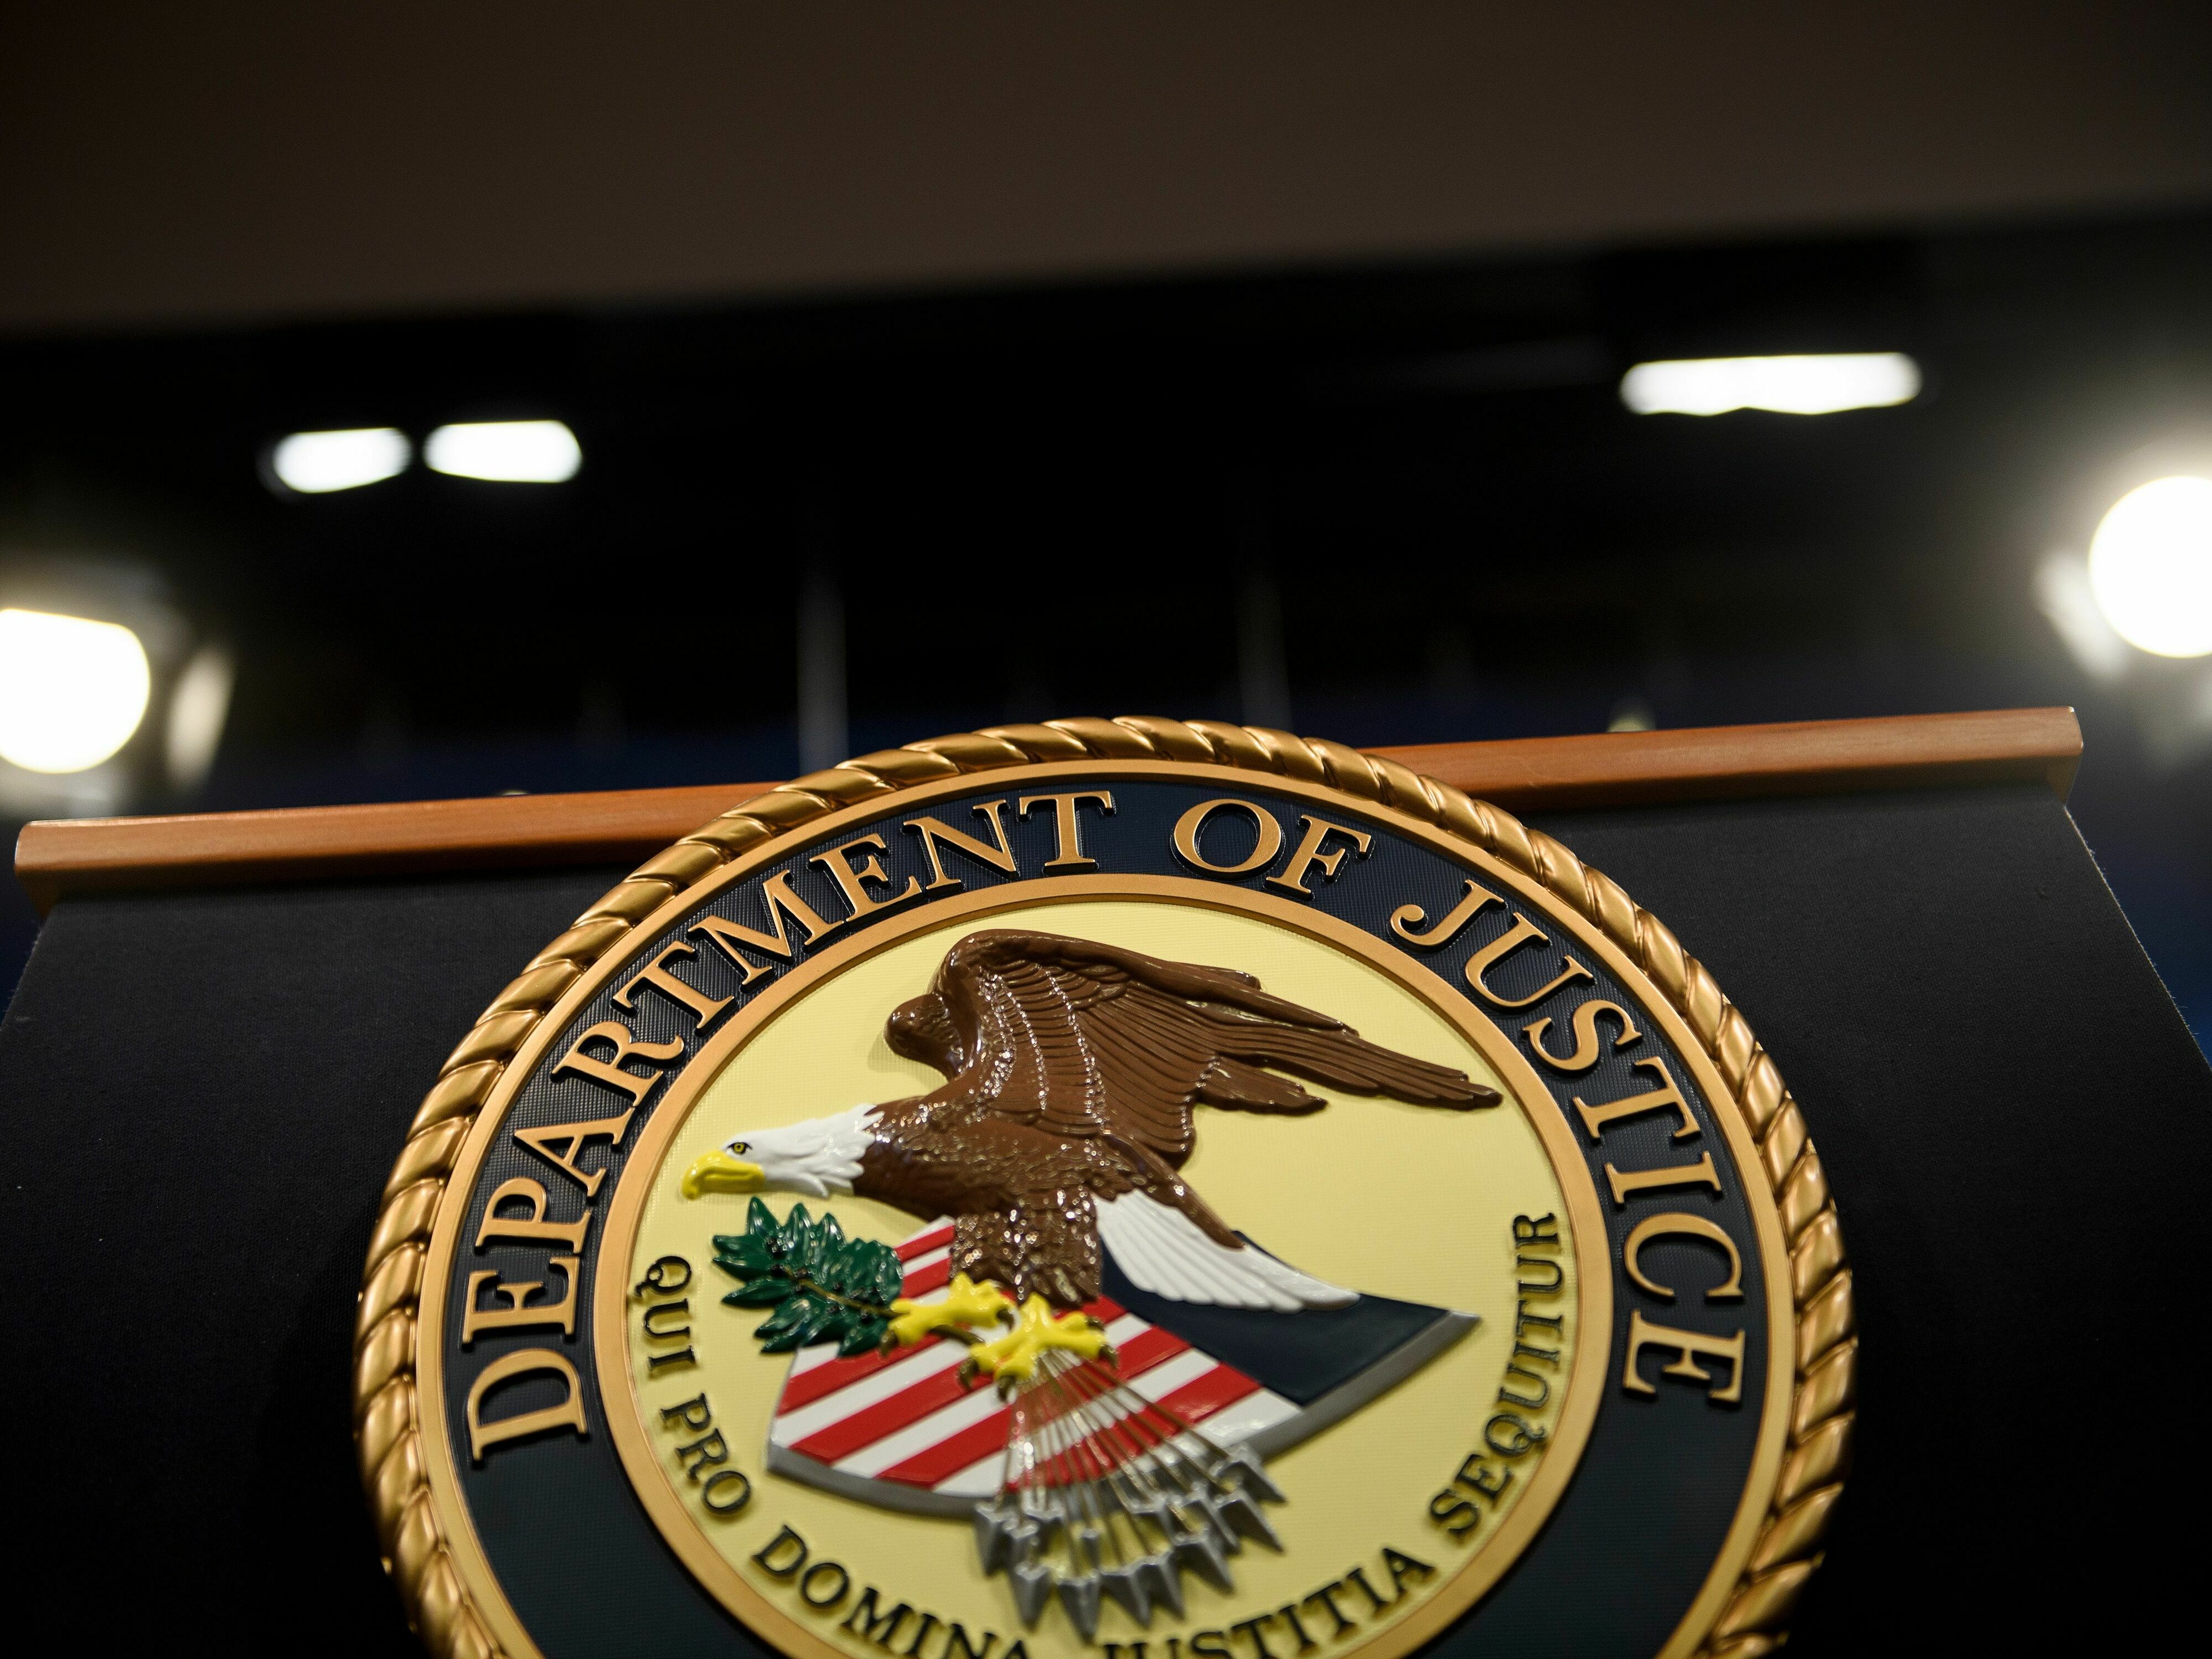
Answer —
317 463
1820 385
504 452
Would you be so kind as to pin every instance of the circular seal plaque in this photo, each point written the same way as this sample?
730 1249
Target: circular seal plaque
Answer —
1120 1186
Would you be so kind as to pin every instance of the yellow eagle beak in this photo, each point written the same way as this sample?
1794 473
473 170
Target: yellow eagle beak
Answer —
717 1172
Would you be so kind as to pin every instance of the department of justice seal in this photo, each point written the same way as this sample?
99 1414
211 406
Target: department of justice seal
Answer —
1130 1186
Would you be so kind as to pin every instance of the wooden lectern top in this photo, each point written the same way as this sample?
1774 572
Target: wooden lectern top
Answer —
58 859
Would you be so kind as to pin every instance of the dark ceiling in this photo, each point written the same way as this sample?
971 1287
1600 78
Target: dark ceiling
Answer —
1053 500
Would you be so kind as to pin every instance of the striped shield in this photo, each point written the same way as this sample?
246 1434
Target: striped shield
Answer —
898 1430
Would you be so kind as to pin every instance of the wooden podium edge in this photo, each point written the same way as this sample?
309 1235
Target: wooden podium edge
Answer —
59 859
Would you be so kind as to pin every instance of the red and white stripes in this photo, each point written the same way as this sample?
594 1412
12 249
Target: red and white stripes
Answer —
904 1420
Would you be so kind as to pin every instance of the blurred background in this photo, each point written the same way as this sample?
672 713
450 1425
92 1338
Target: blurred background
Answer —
404 402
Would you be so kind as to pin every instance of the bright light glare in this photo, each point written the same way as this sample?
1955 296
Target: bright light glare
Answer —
197 707
507 451
71 690
2150 567
1787 385
316 463
2062 590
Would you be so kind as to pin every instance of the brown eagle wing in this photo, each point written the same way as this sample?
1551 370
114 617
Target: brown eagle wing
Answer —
1080 1038
1083 1063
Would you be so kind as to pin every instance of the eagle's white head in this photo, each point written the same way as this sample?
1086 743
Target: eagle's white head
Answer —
819 1157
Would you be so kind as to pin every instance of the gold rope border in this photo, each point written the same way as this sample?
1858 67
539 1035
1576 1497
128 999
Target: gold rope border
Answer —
386 1434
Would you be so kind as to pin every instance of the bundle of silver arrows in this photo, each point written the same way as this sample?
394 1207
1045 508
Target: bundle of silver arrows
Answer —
1109 1494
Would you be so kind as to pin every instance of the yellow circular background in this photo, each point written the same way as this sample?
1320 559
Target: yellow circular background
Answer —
1387 1199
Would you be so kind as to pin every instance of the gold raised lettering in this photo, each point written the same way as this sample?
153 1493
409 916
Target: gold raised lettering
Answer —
1067 827
1666 1095
1688 1345
1680 1225
534 1228
562 1313
1523 932
657 977
852 878
1268 835
1674 1174
573 1136
1309 853
1407 917
1589 1047
726 936
568 1415
934 830
611 1073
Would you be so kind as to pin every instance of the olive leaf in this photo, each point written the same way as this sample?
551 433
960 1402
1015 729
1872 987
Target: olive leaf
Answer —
797 1323
760 1292
745 1255
867 1334
824 1286
889 1276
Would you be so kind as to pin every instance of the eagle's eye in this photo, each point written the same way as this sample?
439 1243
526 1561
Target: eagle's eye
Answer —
739 1147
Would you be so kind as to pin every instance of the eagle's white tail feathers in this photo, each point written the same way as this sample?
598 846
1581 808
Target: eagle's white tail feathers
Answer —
1163 1251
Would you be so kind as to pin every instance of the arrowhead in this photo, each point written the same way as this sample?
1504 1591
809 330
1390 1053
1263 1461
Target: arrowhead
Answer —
1241 1514
1157 1574
994 1537
1079 1594
1032 1584
1128 1586
1201 1552
1244 1461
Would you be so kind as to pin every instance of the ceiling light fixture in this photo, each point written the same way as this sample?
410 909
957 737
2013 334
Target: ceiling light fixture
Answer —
317 463
2150 567
504 452
71 690
1818 384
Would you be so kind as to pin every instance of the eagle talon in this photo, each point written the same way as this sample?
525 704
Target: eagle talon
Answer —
1013 1357
966 1305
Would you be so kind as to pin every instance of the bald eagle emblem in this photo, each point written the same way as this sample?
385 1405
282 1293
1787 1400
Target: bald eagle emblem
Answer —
1048 1163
